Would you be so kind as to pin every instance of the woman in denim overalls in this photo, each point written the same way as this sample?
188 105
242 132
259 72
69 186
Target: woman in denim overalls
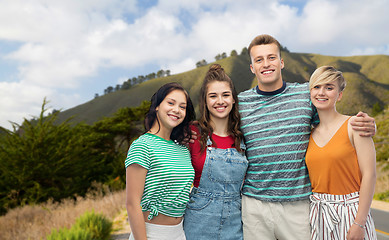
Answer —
214 208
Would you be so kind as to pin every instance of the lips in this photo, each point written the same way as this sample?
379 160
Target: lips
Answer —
220 108
267 72
173 117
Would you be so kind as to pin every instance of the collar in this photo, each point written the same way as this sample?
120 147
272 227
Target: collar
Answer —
272 93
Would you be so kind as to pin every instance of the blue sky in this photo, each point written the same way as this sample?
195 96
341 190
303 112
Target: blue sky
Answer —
69 50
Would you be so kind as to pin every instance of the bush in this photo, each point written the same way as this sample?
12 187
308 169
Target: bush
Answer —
87 227
70 234
98 225
384 196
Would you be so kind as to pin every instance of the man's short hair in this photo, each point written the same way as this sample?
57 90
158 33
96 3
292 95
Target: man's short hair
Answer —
264 39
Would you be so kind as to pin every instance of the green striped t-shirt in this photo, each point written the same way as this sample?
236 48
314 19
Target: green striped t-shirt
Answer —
276 126
169 174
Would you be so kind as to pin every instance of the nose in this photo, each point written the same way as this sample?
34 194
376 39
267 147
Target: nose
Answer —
219 100
321 91
266 62
176 108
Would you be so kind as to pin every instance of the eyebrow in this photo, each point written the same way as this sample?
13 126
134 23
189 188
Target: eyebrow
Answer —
229 91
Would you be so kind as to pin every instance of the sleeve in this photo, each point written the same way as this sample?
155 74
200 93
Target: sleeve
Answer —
139 153
315 116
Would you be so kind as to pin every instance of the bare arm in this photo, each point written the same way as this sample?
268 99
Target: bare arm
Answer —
135 182
364 147
364 124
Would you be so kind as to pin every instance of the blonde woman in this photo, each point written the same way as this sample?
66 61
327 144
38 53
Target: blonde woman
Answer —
341 166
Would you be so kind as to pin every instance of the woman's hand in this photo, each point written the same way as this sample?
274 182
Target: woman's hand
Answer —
355 233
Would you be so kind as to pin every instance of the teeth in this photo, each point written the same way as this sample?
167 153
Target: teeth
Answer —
267 72
174 117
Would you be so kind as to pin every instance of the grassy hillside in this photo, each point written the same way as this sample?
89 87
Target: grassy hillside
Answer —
367 83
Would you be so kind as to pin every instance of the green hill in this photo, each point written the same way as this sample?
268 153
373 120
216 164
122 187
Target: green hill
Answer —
367 83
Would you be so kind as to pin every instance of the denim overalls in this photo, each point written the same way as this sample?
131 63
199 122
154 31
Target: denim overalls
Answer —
214 208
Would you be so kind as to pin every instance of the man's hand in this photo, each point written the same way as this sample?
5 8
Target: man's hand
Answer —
364 124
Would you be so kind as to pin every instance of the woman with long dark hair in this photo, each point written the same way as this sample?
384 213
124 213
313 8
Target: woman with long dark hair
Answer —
159 173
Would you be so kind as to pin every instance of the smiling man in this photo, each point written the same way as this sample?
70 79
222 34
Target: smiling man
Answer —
276 121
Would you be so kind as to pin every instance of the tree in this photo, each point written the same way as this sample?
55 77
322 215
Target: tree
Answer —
224 55
233 53
109 89
160 73
42 160
201 63
285 49
126 85
244 51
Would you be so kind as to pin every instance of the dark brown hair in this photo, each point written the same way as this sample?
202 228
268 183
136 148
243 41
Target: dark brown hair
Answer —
181 130
216 73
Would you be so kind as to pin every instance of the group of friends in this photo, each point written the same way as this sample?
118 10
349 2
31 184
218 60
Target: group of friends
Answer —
275 162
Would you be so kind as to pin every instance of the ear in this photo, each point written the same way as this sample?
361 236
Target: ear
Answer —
156 109
340 96
282 63
251 68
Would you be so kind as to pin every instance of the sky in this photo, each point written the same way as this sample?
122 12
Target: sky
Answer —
68 50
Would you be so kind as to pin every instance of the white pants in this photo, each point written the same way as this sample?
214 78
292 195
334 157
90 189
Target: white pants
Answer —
332 216
275 220
163 232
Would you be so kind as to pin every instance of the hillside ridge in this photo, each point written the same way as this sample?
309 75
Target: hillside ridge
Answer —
367 83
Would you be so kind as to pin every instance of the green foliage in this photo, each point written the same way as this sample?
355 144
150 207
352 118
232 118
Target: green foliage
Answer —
97 224
377 108
41 160
244 51
87 227
381 139
70 234
111 138
384 196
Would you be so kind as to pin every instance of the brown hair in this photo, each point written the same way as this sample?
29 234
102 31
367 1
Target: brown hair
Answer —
264 39
217 73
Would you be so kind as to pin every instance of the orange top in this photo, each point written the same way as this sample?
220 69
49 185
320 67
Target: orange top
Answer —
334 169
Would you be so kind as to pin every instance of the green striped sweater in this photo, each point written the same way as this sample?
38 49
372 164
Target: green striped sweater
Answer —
169 177
276 126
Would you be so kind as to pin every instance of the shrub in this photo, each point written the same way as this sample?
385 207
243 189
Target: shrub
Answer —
70 234
98 225
87 227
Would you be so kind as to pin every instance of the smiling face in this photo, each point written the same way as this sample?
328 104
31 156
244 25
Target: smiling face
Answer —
219 100
172 110
266 64
324 96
